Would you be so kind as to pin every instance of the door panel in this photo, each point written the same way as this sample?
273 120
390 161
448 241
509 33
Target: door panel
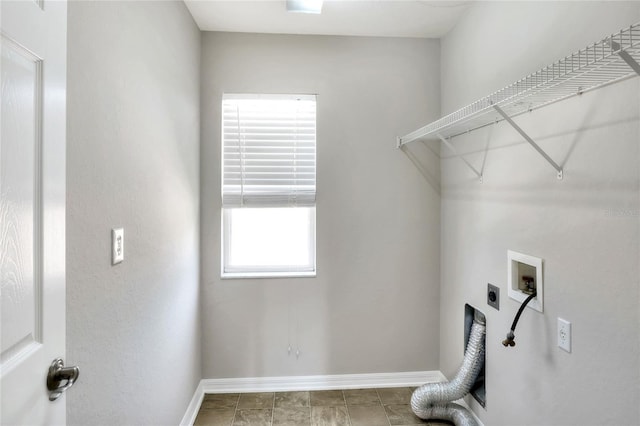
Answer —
20 212
32 208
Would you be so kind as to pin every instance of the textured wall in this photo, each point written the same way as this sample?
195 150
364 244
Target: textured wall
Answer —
133 146
373 306
585 227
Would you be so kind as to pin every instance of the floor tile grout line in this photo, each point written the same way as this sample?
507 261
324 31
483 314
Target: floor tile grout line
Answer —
346 407
273 407
235 411
383 407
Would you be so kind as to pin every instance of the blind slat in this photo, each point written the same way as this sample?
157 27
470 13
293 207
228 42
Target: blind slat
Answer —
269 150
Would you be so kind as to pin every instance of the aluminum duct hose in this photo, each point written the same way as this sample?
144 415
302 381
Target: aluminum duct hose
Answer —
452 412
430 401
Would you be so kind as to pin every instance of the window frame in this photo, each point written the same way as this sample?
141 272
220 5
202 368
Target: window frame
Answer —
261 271
227 272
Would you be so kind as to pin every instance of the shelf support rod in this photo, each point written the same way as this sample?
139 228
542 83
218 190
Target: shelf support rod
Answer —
528 139
453 149
626 57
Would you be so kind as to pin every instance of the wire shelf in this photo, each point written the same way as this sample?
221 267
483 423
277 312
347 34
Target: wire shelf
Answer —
610 60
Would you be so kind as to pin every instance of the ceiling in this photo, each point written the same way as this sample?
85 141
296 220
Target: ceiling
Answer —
378 18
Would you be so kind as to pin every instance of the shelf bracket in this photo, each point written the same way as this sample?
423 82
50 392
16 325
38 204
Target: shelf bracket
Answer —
626 57
452 148
528 139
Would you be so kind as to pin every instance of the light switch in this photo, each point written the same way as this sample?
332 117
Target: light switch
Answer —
117 245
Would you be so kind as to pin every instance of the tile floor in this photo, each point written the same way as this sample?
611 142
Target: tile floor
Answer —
356 407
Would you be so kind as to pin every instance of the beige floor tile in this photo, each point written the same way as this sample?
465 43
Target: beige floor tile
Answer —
292 399
256 400
395 395
329 416
368 415
215 401
402 415
252 417
216 417
292 416
361 397
330 398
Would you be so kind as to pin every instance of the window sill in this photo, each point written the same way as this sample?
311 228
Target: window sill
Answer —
251 275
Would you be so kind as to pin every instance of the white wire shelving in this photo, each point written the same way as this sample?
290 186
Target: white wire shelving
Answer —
608 61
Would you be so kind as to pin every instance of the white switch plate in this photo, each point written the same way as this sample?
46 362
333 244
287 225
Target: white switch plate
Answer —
117 246
564 335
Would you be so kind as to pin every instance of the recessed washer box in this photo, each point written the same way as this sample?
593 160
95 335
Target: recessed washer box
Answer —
525 276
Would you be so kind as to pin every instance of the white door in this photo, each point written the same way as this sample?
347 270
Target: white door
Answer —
32 208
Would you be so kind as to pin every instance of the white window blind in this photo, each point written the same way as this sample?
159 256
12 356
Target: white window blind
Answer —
269 150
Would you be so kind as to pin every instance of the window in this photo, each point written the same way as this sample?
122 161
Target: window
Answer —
268 185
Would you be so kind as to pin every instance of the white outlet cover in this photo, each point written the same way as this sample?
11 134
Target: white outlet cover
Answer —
564 334
513 258
117 246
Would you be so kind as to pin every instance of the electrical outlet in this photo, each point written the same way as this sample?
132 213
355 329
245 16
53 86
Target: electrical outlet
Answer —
493 296
564 335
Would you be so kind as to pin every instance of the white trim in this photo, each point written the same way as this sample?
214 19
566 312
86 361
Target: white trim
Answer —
339 381
246 275
194 406
269 96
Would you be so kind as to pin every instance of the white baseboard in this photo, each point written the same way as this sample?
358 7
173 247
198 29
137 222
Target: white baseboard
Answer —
338 381
296 383
194 406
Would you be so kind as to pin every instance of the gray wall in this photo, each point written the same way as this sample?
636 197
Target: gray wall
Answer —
133 146
373 306
585 227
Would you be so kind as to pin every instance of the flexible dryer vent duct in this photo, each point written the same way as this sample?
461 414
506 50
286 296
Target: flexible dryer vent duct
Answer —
433 400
